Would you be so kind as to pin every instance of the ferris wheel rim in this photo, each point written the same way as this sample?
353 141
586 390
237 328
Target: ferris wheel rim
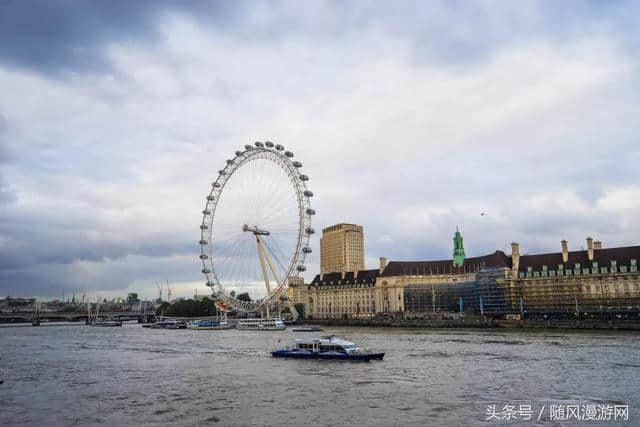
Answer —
282 158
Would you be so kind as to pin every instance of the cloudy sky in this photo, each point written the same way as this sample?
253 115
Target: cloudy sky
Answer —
410 118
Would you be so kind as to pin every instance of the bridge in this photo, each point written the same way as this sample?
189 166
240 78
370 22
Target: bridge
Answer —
74 316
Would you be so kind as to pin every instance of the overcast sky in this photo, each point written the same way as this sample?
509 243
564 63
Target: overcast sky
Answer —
410 118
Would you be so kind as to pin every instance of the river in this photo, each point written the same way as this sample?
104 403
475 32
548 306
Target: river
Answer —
66 375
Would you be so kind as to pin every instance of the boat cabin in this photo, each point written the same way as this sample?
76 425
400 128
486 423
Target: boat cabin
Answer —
324 344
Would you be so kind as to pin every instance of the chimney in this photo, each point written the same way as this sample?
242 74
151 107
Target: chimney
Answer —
590 248
383 264
515 257
597 244
565 251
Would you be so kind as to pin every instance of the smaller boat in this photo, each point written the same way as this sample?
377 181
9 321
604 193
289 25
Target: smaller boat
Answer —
260 324
106 323
328 347
208 325
308 329
168 323
178 324
163 322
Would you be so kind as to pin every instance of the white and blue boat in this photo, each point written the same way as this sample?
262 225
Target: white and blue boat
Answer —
208 325
328 347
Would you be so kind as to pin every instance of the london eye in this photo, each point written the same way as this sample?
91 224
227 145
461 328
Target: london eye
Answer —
255 229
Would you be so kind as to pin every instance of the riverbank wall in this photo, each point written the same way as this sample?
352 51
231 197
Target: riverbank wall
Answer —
481 322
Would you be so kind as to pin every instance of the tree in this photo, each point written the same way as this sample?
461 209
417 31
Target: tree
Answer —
232 293
300 309
165 308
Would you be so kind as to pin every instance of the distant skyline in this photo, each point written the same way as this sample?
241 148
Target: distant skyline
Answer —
411 118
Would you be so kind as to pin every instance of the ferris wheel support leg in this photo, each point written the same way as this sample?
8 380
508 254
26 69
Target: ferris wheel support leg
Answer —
292 309
261 256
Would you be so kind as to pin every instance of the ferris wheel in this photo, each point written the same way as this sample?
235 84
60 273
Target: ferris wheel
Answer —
256 227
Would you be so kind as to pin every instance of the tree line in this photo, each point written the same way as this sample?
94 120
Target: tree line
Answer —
194 308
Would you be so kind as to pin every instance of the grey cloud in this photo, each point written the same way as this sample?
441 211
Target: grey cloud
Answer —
64 35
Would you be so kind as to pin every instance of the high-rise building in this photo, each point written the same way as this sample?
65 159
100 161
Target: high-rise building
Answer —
342 249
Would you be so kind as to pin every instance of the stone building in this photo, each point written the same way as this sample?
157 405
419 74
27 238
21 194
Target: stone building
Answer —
405 282
342 248
592 281
342 295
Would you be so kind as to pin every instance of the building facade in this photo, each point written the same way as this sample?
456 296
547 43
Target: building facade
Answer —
433 286
342 249
592 282
595 282
342 295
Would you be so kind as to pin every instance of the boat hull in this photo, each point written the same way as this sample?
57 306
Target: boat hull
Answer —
253 328
106 324
333 355
307 329
209 328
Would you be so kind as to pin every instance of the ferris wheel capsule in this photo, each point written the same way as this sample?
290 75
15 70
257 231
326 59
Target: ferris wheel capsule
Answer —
229 162
308 193
310 211
238 153
297 164
269 144
248 147
206 212
210 198
258 144
279 147
301 268
288 153
304 178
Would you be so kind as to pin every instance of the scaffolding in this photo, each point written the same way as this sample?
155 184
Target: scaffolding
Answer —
492 293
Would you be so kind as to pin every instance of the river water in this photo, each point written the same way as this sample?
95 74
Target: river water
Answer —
65 375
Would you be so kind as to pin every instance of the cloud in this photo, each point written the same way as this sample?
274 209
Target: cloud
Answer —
409 119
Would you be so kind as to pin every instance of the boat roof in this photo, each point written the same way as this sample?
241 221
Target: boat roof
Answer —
324 340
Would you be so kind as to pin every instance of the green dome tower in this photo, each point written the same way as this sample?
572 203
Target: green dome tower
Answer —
458 249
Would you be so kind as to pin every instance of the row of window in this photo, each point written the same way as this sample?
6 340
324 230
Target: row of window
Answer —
578 271
616 288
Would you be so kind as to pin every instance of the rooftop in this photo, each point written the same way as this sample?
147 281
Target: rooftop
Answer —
498 259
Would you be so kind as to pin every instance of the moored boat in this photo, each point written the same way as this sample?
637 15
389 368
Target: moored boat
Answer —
168 323
204 325
259 324
327 347
308 329
106 323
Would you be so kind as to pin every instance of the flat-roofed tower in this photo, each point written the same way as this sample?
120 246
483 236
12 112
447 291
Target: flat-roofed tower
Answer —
342 248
